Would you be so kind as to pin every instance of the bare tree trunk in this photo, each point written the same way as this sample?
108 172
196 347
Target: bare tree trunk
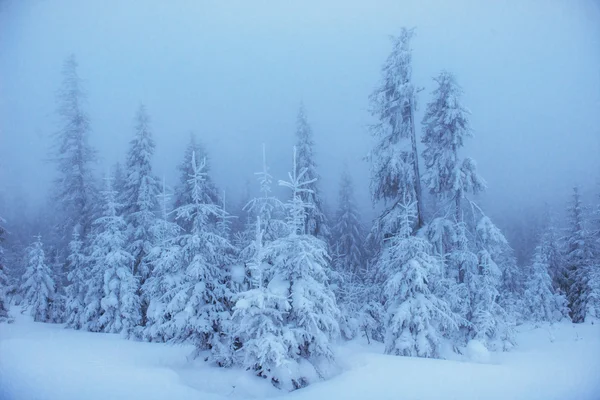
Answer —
418 191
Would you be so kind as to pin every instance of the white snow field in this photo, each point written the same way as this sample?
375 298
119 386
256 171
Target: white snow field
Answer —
46 361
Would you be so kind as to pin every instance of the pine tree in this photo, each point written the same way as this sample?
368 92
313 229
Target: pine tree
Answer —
4 305
416 318
140 201
112 303
259 315
582 272
394 160
348 257
76 289
210 194
316 220
445 128
166 274
196 303
38 286
542 302
348 233
299 273
75 191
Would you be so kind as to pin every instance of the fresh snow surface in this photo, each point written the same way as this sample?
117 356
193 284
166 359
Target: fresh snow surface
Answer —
46 361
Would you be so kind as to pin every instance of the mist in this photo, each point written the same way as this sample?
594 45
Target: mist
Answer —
236 72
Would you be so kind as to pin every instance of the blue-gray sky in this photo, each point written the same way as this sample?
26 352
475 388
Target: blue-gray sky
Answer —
235 72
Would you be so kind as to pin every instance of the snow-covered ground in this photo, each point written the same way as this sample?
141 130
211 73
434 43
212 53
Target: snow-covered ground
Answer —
45 361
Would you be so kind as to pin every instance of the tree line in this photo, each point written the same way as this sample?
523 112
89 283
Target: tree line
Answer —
272 286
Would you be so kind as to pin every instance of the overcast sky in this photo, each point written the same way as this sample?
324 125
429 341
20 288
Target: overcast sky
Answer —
235 72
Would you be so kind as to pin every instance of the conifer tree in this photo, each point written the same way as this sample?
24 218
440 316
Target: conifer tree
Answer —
210 194
394 159
196 304
445 128
4 306
316 223
75 191
582 279
112 302
416 317
77 266
140 201
542 303
299 273
38 286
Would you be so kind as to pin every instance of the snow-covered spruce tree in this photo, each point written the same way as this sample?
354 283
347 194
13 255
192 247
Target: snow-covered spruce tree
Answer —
77 265
551 251
38 286
347 241
4 311
512 280
258 316
196 301
112 302
445 128
210 194
299 273
140 202
75 190
582 269
267 207
394 159
542 303
416 317
316 220
167 272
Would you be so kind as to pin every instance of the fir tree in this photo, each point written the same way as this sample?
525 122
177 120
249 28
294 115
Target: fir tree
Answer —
112 303
394 160
542 302
4 305
77 266
316 221
196 304
259 314
299 273
579 263
209 192
140 201
445 128
75 192
416 318
38 286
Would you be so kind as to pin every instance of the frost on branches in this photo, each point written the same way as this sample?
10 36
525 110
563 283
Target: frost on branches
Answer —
543 304
416 317
140 201
291 301
112 301
194 306
38 286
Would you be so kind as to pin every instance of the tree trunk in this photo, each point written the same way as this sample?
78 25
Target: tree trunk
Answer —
417 182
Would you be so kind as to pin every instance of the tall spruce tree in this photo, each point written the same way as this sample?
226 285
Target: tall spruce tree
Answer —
445 128
582 279
141 201
75 191
394 159
316 223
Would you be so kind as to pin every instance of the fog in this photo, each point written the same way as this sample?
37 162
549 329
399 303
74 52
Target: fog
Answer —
235 73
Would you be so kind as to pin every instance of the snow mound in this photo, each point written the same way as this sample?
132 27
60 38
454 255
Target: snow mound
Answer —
477 352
